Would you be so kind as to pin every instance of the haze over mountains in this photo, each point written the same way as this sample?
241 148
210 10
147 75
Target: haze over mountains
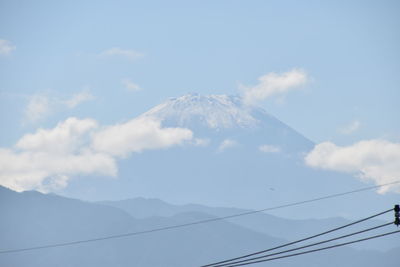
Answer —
34 219
239 156
265 223
293 112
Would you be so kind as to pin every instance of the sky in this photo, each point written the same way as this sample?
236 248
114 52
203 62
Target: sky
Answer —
106 62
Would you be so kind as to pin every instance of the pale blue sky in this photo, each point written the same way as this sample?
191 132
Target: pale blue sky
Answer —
84 51
349 48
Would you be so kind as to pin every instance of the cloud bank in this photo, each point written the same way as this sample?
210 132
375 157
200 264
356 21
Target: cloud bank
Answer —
372 160
138 135
274 84
47 159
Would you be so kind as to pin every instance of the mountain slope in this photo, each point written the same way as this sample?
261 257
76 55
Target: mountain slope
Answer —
240 157
221 116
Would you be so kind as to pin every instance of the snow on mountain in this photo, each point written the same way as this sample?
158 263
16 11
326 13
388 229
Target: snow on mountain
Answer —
213 111
249 159
223 117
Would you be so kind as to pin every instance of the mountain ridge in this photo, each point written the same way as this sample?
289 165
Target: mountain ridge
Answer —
261 222
32 219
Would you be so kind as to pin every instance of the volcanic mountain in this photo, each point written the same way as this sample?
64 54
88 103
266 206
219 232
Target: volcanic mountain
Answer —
240 156
217 117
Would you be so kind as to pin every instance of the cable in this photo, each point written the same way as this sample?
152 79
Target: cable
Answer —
297 241
306 246
198 222
319 249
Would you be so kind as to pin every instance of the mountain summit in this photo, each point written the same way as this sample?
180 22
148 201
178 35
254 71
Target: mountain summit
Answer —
212 111
237 149
223 117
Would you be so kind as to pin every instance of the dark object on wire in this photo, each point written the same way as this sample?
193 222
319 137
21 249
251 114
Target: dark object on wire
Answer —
297 241
302 247
319 249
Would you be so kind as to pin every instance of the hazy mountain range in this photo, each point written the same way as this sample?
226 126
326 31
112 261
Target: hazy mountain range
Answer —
35 219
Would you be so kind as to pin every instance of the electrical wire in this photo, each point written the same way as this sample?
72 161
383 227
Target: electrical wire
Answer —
298 241
197 222
318 249
306 246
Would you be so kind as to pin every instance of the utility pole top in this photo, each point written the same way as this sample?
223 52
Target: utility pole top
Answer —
396 215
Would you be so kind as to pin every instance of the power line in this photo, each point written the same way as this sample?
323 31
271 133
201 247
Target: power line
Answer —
298 241
318 249
306 246
196 222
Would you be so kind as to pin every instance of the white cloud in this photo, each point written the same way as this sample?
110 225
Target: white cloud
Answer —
47 171
350 128
126 53
46 159
42 104
371 160
137 135
274 84
131 86
66 137
78 98
38 107
269 149
6 47
227 143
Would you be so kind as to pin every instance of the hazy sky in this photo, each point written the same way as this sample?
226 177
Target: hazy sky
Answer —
112 60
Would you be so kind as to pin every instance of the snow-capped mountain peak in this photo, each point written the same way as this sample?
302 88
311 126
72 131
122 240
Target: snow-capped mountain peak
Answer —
212 111
222 118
